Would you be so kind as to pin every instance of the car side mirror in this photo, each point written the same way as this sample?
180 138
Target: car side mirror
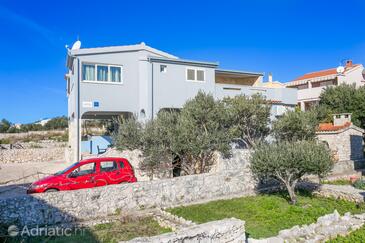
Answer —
73 174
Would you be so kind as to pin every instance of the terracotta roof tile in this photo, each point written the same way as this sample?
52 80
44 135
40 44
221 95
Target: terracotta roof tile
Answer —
329 127
322 73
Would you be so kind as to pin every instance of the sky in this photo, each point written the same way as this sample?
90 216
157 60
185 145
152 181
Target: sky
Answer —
285 37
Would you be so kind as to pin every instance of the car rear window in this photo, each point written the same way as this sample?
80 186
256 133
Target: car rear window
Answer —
106 166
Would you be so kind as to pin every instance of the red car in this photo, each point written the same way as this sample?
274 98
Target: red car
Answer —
87 174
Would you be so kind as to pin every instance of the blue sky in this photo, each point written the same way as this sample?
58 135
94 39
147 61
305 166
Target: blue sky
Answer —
285 37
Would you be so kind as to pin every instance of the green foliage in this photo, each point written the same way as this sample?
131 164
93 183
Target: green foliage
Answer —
108 233
4 125
345 99
128 134
56 123
296 126
202 129
359 184
249 118
341 182
190 136
30 127
266 215
5 141
357 236
288 162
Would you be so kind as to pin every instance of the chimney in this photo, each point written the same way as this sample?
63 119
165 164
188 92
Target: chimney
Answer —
270 77
341 119
349 63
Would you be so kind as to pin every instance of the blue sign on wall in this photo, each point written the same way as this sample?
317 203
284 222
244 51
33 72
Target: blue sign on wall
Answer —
96 103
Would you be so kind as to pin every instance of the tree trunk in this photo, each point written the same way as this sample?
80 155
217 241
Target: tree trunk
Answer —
291 191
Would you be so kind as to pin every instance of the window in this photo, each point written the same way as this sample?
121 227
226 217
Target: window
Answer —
85 169
163 68
121 164
107 166
200 75
195 74
88 72
191 74
102 73
115 74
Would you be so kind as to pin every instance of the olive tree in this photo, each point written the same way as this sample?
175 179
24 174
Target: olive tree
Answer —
295 126
202 130
249 118
190 136
288 162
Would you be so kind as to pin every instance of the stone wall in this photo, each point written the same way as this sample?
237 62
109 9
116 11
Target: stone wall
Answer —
346 145
43 151
227 230
239 159
327 227
345 192
51 208
25 135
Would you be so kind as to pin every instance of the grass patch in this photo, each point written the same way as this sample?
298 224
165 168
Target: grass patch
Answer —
266 215
356 236
107 233
340 182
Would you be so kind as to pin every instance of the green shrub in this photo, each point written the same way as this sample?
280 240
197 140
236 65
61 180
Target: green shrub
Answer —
5 141
295 126
288 162
359 184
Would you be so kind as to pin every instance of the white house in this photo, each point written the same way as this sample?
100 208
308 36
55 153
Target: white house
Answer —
138 79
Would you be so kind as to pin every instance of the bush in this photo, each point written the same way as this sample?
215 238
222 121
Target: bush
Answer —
296 126
359 184
345 99
249 118
189 138
288 162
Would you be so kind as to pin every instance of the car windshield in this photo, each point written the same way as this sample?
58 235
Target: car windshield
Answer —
63 171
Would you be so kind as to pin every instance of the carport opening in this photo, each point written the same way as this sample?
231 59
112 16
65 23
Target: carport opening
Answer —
97 129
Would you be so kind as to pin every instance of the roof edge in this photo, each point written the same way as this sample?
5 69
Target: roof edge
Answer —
115 49
227 71
184 61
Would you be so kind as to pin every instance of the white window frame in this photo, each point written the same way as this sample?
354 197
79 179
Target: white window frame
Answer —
195 75
96 73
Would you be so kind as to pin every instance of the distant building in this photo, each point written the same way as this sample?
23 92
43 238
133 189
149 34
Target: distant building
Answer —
311 85
43 121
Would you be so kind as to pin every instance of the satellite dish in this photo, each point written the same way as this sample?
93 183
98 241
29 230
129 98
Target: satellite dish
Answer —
340 70
76 45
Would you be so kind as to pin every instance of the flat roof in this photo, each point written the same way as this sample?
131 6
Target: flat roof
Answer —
184 62
236 72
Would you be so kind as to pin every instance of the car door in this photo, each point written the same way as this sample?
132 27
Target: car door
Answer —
83 176
109 170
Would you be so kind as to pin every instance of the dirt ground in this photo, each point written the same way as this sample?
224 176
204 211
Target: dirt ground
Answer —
16 177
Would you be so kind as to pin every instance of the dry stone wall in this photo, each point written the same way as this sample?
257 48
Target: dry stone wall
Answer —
44 151
327 227
227 230
52 208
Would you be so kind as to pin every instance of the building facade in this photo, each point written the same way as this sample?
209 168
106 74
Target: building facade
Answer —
311 85
137 79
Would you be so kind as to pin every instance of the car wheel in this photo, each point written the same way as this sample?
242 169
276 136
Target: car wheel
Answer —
52 190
